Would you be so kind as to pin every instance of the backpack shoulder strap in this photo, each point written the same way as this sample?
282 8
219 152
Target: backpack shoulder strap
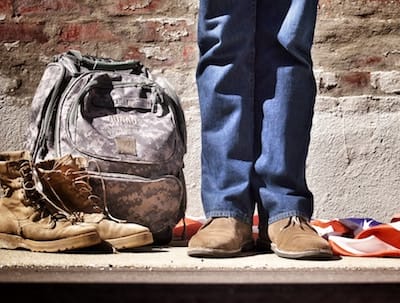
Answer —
170 92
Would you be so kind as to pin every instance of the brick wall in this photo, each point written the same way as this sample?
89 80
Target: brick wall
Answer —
354 158
357 47
160 33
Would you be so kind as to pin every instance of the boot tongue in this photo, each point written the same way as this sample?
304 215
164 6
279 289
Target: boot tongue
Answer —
93 218
68 162
66 181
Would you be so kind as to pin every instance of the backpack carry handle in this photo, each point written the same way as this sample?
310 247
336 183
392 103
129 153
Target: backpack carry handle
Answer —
106 64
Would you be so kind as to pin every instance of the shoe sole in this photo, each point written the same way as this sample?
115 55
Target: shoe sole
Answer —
131 241
305 255
8 241
219 253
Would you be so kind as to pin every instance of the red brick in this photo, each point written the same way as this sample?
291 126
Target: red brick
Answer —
362 8
335 3
24 32
6 7
27 7
189 53
92 31
130 7
158 31
147 32
133 53
178 31
368 61
355 79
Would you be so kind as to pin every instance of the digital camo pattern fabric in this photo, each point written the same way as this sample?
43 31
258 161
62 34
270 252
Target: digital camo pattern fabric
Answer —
126 127
154 203
42 103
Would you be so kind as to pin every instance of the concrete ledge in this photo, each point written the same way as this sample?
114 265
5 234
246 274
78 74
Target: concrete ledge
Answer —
171 265
167 274
159 276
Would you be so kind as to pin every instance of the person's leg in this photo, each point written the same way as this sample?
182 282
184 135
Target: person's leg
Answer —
225 80
285 94
225 85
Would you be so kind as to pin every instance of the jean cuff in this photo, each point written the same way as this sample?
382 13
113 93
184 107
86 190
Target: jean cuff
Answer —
230 214
287 214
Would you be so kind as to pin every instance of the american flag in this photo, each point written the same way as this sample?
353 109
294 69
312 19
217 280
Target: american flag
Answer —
361 237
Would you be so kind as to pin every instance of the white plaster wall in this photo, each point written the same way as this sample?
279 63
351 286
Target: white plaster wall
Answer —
353 166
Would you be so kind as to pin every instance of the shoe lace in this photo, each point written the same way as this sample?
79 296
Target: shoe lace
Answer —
104 200
36 197
299 221
80 181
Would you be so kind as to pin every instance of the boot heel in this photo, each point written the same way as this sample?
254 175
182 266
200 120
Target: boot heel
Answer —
11 241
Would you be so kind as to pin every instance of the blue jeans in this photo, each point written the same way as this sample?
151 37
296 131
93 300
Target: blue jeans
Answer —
257 93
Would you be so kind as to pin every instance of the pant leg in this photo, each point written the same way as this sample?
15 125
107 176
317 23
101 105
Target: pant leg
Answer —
225 80
284 95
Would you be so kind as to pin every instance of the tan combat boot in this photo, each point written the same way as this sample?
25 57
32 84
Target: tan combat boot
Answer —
65 180
26 221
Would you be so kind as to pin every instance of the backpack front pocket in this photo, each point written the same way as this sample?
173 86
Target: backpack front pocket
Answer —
155 203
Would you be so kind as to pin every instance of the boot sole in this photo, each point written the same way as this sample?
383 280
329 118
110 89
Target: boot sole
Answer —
8 241
132 241
319 254
219 253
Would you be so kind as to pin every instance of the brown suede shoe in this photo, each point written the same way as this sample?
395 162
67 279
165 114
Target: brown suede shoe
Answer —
295 238
221 237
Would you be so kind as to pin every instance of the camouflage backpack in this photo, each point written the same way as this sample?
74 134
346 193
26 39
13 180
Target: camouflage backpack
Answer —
129 126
